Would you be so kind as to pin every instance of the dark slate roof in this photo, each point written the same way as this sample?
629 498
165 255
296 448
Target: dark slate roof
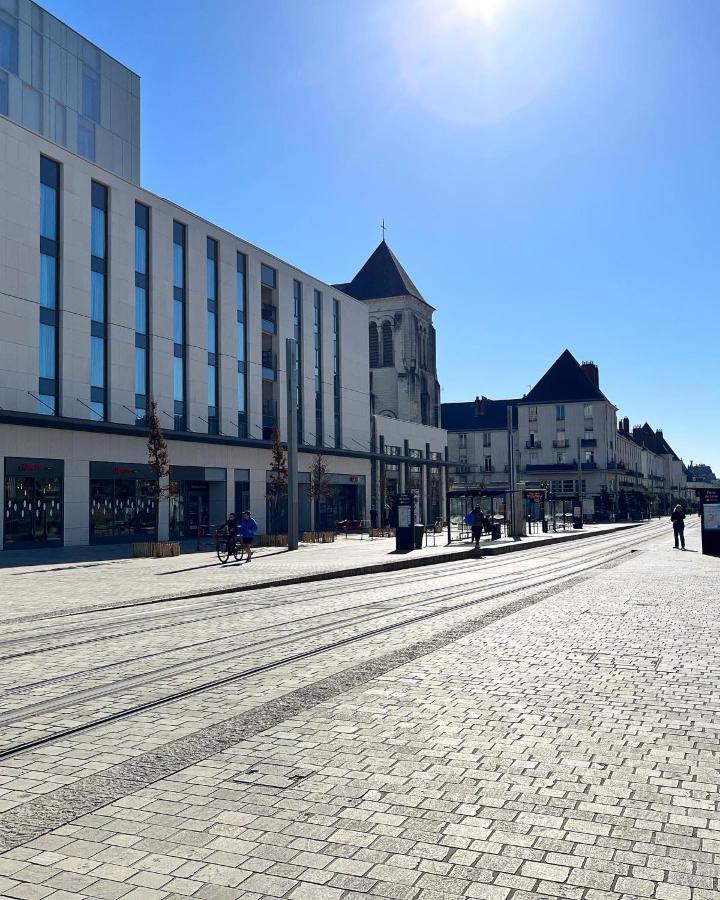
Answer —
462 416
381 276
564 382
654 441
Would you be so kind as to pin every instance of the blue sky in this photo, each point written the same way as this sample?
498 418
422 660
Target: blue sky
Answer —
548 169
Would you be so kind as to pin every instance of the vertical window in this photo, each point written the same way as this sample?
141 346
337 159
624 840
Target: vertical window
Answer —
49 227
317 341
211 277
8 43
179 329
90 94
297 334
142 312
588 410
337 400
98 300
488 464
240 303
486 438
374 343
388 357
560 412
86 139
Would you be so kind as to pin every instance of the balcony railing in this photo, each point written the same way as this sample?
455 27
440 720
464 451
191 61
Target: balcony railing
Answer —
560 445
533 445
269 319
588 442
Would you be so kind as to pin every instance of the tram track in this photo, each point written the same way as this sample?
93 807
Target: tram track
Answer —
229 607
572 570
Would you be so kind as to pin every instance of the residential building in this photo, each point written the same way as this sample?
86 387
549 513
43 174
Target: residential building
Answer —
410 446
567 440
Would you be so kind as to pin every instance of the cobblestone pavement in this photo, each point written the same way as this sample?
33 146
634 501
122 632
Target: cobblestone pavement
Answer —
568 749
26 589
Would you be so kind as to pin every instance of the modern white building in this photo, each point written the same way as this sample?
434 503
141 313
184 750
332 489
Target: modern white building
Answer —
566 439
111 296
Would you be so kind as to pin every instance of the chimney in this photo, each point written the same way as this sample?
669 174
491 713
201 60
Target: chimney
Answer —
480 405
592 373
626 426
637 433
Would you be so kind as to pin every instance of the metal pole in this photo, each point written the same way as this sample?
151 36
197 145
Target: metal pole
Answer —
580 494
292 442
511 469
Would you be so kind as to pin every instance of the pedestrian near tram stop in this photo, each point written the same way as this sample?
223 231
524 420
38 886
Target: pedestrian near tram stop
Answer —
476 521
248 530
678 522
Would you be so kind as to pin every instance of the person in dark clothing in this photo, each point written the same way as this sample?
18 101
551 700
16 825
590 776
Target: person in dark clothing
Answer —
477 524
231 529
373 518
678 522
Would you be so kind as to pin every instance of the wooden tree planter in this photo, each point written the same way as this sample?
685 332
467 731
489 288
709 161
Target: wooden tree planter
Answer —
156 549
272 540
323 537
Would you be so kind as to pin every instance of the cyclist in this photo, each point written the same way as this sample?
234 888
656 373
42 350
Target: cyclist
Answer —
231 529
248 529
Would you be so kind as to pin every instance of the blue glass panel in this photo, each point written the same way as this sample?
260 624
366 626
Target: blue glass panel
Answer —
141 310
48 270
241 392
268 276
212 336
8 43
240 290
178 329
140 371
97 362
211 280
212 385
241 341
47 351
140 250
98 411
48 212
4 96
97 296
97 232
46 404
91 94
178 266
178 387
86 140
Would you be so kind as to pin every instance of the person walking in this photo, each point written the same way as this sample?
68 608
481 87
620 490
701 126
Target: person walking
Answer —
476 522
678 522
248 530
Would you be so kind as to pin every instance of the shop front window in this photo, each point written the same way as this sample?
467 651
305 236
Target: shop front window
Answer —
33 508
121 509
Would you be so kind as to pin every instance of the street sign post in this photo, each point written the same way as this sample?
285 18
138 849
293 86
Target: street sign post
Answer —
405 530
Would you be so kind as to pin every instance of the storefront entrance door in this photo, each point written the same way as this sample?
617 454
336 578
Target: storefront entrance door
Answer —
198 512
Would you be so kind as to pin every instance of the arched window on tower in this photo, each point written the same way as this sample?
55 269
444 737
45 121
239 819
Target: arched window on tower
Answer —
388 357
374 346
424 402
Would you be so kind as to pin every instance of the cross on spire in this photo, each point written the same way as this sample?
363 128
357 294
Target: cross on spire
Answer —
383 226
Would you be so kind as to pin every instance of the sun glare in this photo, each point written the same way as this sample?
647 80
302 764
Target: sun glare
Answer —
477 62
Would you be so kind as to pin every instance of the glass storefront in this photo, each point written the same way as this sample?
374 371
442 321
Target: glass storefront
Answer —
415 484
276 510
199 502
33 503
122 503
346 502
434 494
242 491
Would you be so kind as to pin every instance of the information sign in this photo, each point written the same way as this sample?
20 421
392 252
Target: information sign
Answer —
710 520
712 516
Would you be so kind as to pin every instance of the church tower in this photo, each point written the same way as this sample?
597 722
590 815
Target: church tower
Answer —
403 373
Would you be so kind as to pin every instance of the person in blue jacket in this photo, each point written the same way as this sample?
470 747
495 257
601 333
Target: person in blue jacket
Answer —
248 530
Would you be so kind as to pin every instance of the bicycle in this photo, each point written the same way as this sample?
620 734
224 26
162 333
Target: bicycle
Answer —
227 545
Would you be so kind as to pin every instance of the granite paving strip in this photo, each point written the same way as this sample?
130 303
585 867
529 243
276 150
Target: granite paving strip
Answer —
64 804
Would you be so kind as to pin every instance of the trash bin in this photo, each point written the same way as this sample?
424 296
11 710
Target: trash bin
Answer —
496 531
545 526
419 533
577 522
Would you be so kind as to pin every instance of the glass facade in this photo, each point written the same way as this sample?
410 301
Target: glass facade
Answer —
49 372
122 503
142 312
240 313
179 325
98 300
317 344
297 334
337 400
33 514
212 336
